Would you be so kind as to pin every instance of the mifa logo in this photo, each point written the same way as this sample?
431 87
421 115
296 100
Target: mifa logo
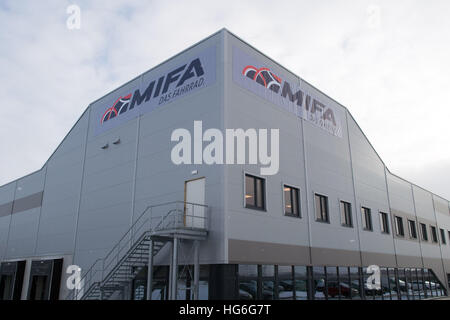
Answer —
168 87
264 77
119 107
269 80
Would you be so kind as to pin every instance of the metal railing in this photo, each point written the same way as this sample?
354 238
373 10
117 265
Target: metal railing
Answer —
175 215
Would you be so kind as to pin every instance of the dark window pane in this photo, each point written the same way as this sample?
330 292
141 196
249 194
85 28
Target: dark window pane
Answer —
412 229
321 208
301 283
333 291
346 214
248 289
443 236
399 226
254 192
367 218
295 200
248 284
317 207
268 289
324 208
403 285
285 283
285 272
248 270
291 201
347 292
355 280
424 232
318 283
415 285
385 290
434 234
249 191
384 222
268 270
260 193
392 275
287 201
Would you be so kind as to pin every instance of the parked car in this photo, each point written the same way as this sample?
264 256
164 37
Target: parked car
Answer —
244 295
249 287
301 292
345 290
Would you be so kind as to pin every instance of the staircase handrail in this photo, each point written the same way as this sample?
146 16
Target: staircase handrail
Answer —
84 283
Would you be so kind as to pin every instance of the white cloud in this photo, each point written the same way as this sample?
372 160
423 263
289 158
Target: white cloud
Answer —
387 61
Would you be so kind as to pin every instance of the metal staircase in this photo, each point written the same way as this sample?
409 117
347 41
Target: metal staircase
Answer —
156 226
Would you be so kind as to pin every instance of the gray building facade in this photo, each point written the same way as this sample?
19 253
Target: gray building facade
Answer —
332 210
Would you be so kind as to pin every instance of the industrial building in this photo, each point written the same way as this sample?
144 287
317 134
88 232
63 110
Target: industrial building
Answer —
111 200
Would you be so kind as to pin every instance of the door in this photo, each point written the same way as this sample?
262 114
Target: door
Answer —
38 288
194 212
6 287
11 280
45 279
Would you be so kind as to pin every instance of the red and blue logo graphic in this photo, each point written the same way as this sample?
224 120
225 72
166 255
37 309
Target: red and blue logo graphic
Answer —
120 106
264 77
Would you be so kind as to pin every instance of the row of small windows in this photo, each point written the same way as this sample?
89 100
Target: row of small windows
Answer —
284 282
423 231
255 196
255 199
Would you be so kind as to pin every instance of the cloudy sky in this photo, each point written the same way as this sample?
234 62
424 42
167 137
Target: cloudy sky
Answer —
387 61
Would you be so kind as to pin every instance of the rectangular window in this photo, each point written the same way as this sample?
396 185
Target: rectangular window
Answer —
254 192
423 228
321 208
384 222
346 214
434 234
366 218
444 241
412 229
399 226
291 201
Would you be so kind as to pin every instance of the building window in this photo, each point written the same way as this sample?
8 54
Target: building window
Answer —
412 229
399 226
423 228
301 282
321 208
434 234
248 282
254 192
366 218
291 201
444 241
384 222
346 214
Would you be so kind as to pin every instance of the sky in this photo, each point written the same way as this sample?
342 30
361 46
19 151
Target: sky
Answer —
388 62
